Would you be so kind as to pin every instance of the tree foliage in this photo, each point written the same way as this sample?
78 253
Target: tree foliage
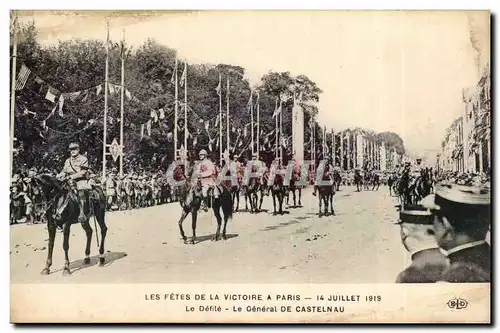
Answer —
74 65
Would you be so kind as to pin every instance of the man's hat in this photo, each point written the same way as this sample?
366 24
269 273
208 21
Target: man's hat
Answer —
255 155
202 152
459 200
415 214
447 194
74 145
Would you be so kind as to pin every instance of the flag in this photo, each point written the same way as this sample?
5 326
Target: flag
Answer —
162 113
122 49
207 124
283 97
51 95
184 75
142 131
277 111
154 116
249 104
218 88
22 77
148 127
245 132
172 79
61 103
112 88
99 89
74 95
128 94
216 121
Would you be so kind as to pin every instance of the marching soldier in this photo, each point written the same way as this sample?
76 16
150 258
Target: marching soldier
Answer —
417 236
461 223
75 169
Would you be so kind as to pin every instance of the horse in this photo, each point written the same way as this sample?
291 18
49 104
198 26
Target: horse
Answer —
278 191
375 181
403 189
252 194
390 182
423 186
358 180
63 210
337 180
366 180
292 187
190 202
325 194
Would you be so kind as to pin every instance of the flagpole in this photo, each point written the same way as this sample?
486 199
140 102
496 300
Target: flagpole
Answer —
105 126
324 141
276 131
13 95
122 102
251 121
281 130
185 107
228 144
313 143
342 150
334 157
220 119
258 124
176 107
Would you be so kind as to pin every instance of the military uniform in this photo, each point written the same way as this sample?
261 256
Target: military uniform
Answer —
205 172
75 168
463 211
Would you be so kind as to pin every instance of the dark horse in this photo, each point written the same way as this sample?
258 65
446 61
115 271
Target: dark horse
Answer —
404 190
190 202
326 193
63 210
293 187
252 191
278 191
337 180
358 180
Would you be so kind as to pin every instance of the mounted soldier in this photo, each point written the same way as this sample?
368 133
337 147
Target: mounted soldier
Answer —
205 172
75 171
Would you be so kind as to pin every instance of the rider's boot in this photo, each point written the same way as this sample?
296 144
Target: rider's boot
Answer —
82 199
314 192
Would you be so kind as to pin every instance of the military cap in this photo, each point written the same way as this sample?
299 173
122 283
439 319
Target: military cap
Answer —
415 214
74 145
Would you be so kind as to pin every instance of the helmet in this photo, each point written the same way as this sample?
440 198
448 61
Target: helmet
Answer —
202 152
74 145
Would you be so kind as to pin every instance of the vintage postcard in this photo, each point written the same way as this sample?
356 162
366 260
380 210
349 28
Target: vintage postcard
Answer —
250 166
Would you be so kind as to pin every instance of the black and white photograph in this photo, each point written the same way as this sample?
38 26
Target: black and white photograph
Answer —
232 148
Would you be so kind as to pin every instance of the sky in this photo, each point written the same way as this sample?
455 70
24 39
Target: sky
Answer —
387 71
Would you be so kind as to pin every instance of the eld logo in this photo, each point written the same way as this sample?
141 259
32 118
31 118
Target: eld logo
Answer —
457 303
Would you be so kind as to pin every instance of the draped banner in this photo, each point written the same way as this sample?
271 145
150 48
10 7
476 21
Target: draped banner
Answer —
298 132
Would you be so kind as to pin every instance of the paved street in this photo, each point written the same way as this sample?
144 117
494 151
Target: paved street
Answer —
360 244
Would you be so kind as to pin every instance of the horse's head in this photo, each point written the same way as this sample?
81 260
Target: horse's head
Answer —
48 184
